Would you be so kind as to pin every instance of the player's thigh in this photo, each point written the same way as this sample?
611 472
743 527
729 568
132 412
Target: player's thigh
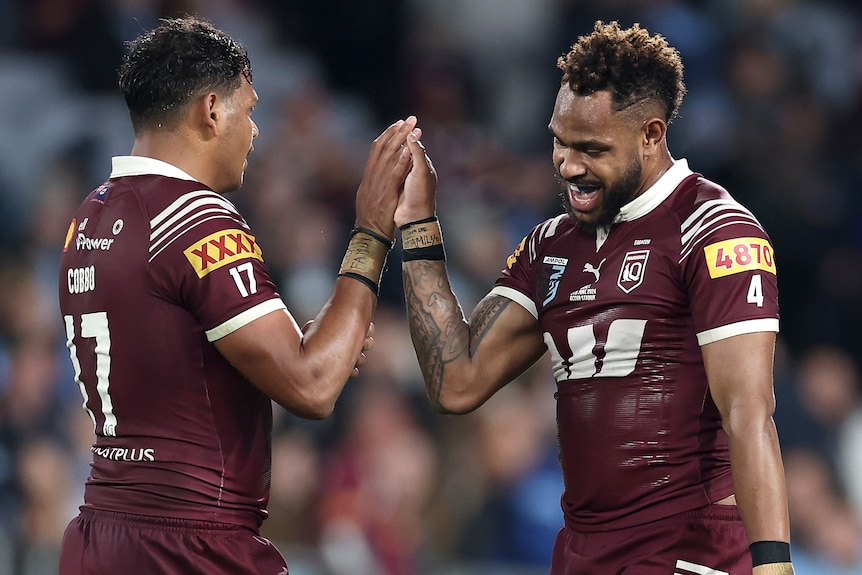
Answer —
99 543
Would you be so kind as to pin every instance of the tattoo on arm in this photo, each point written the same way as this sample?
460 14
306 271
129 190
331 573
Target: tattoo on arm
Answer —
437 326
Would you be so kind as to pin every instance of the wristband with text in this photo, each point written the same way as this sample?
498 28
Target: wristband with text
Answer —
365 257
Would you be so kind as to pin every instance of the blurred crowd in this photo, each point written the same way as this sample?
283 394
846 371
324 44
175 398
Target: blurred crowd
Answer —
385 486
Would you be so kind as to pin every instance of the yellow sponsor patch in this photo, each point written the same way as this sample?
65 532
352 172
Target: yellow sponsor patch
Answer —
510 261
739 255
220 249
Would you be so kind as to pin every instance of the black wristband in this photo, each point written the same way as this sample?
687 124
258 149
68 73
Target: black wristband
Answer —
436 253
763 552
427 220
382 239
370 283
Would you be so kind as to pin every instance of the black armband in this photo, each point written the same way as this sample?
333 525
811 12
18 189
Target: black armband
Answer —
370 283
435 252
382 239
427 220
763 552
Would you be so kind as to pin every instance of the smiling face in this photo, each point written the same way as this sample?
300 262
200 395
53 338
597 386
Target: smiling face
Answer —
236 134
598 155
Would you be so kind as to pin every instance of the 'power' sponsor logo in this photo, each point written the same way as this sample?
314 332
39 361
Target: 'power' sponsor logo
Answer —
739 255
220 249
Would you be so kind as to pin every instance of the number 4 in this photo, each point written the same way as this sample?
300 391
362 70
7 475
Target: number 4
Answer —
755 291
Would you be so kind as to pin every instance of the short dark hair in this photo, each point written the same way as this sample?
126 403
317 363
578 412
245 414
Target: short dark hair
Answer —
165 68
629 63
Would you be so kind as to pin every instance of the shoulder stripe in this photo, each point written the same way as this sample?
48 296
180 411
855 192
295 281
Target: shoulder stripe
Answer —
184 199
545 230
155 252
711 217
187 212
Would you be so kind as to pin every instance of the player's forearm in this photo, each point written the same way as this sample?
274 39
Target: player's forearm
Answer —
758 476
437 326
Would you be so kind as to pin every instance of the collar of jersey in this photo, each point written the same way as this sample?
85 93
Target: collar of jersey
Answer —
141 166
656 194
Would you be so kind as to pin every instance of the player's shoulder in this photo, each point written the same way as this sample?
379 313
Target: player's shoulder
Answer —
699 201
542 235
708 213
188 214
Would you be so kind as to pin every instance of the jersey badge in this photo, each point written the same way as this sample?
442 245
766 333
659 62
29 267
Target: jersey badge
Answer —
739 255
220 249
510 261
554 268
633 270
101 193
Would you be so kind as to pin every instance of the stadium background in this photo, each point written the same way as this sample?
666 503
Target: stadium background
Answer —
384 487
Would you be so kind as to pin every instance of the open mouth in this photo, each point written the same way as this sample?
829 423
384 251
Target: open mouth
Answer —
583 196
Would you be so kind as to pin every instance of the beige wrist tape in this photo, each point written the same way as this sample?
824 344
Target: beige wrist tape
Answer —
774 569
422 235
365 256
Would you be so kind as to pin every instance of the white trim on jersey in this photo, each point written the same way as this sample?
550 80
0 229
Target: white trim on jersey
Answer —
656 194
739 328
245 318
697 568
516 297
142 166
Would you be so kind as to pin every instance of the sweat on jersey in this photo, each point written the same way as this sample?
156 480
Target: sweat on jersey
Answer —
156 266
624 312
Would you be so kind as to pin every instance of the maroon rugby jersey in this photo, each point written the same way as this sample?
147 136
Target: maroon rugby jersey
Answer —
624 313
156 267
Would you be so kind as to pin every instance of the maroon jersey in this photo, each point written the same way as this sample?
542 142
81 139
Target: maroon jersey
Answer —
156 267
624 312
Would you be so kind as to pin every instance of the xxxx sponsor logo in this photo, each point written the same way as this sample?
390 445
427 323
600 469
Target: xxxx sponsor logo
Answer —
220 249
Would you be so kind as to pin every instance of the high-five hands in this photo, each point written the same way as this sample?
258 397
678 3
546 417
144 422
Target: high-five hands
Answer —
418 199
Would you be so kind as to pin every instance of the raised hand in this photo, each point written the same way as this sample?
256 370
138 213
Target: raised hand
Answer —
385 171
419 198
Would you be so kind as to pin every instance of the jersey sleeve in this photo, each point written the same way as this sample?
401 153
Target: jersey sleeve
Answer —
728 263
518 279
204 256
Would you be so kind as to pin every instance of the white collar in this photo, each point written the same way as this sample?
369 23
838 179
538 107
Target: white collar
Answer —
140 165
656 194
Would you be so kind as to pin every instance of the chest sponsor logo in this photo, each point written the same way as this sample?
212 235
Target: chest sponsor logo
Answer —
220 249
633 270
82 242
739 255
554 268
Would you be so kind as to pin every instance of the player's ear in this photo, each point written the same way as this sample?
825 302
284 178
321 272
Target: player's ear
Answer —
209 111
653 132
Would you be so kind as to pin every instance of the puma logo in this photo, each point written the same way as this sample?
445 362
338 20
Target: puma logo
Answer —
596 271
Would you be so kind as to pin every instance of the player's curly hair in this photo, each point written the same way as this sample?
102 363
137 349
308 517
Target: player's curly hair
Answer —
629 63
165 68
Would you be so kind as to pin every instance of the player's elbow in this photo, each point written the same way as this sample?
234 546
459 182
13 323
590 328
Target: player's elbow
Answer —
449 402
312 401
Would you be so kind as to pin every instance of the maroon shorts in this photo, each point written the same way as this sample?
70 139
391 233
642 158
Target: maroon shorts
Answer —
710 540
102 542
